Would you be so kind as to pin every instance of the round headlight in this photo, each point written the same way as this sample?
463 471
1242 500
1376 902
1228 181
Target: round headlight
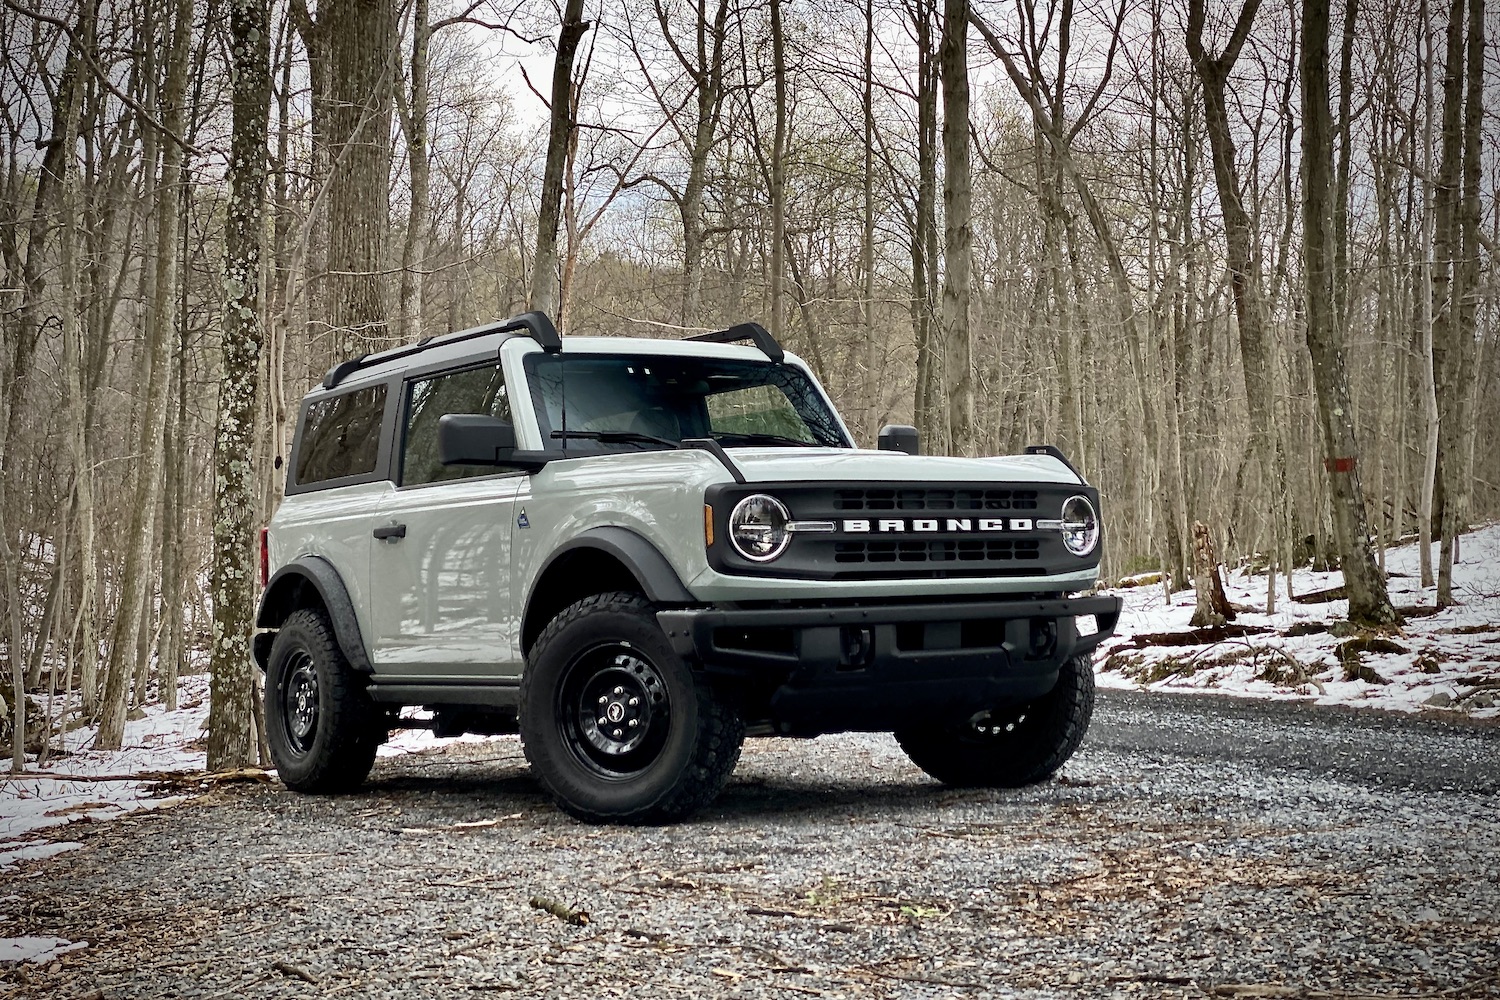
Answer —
1080 526
757 528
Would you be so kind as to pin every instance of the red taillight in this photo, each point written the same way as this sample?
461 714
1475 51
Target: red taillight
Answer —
265 557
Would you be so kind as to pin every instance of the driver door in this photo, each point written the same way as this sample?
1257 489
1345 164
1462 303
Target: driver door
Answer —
443 608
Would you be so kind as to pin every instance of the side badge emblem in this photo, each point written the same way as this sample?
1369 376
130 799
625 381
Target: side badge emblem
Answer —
521 521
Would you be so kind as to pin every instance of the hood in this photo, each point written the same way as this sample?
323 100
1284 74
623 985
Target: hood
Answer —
763 465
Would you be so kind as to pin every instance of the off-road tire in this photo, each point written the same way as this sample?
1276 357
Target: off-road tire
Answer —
337 753
690 744
1012 746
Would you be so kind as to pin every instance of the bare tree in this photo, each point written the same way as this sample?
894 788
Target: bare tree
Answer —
230 743
1368 601
958 228
543 295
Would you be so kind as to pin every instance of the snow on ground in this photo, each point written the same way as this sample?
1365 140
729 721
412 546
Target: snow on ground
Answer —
158 741
36 949
69 786
1450 659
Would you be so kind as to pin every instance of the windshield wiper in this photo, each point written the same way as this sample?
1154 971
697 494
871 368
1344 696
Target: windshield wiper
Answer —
616 437
756 437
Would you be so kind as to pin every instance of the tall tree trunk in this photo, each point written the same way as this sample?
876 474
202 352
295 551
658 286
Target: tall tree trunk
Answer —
1368 601
230 741
414 247
929 397
1240 243
958 229
1463 299
543 296
361 50
1428 362
1447 276
867 232
778 174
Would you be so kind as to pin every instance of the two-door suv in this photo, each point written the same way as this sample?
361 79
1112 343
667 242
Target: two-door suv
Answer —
636 552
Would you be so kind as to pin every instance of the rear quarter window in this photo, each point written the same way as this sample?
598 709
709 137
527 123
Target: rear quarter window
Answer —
341 436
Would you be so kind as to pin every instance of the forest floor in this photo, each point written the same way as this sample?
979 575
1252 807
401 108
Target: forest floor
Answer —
1441 666
1437 661
1194 847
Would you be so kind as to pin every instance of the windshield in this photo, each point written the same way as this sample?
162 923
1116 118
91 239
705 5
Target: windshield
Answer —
631 402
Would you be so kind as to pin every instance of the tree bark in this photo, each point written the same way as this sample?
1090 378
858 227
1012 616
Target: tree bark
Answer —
361 48
1368 601
230 739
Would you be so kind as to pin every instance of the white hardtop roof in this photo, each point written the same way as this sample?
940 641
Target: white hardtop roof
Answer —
444 351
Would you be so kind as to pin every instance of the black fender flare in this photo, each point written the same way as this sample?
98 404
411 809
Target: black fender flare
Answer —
281 598
644 561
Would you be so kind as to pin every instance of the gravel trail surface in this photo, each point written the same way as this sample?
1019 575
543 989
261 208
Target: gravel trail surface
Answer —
1195 847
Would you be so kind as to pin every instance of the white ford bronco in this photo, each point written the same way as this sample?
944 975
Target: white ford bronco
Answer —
637 552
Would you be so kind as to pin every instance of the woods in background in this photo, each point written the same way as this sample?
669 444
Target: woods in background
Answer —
1237 259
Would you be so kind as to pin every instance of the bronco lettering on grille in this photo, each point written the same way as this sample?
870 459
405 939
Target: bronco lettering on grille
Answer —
927 525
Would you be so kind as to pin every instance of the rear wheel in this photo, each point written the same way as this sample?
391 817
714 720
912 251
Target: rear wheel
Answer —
1012 746
321 727
614 722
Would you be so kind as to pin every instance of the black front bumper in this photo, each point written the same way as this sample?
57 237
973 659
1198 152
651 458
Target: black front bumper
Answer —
885 666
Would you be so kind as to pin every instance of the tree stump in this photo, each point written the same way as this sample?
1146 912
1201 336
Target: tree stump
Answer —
1213 605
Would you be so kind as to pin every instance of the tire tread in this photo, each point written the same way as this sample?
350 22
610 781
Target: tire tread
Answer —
345 759
717 746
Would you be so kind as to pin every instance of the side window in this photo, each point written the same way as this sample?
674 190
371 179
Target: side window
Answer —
756 409
341 436
477 390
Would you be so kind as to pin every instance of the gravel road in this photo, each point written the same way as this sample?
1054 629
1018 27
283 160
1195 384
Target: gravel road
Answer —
1194 847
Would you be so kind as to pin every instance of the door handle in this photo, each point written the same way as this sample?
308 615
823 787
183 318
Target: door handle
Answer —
390 531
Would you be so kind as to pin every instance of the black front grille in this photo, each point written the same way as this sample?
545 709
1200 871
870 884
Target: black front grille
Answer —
908 530
927 498
973 550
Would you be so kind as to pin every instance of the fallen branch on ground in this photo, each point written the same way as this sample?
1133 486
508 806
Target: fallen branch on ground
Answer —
568 915
1193 637
295 972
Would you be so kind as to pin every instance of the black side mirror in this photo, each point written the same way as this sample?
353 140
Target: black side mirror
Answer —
475 439
899 437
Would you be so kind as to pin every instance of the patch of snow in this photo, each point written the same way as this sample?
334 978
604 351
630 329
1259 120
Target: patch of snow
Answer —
69 787
36 949
1454 652
31 850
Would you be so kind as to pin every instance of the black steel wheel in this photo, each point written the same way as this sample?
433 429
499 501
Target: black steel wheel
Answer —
615 710
615 724
322 728
299 702
1012 745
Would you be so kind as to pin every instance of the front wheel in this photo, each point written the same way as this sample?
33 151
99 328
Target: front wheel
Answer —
615 724
1012 746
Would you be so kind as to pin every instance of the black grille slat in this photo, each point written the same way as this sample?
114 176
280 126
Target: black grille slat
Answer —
938 550
877 499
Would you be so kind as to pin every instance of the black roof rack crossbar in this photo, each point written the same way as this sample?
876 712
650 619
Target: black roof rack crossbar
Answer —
535 325
753 332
